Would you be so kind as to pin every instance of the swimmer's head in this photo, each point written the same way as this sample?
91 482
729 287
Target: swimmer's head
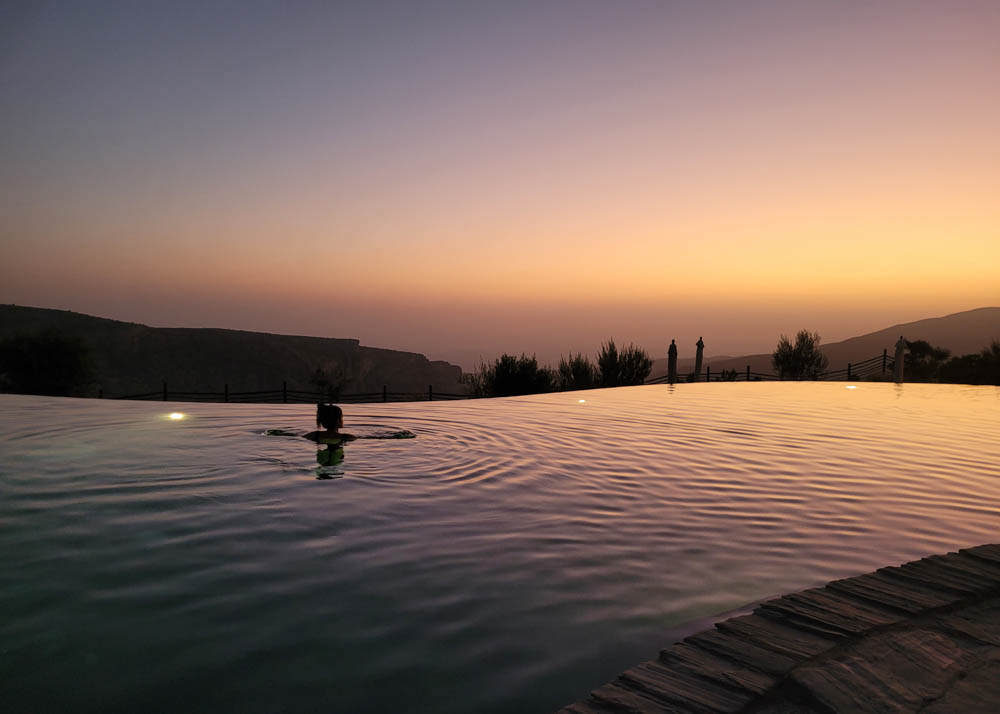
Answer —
329 416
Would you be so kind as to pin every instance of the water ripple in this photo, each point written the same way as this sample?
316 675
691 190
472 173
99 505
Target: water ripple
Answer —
512 555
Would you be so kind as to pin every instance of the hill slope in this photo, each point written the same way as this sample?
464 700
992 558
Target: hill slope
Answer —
131 358
962 333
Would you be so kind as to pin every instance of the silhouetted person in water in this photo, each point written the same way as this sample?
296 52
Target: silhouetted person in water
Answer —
672 363
331 418
698 358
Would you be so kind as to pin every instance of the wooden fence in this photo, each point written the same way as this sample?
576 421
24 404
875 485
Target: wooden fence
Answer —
292 396
880 365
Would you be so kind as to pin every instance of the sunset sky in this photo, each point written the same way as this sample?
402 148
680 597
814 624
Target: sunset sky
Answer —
464 178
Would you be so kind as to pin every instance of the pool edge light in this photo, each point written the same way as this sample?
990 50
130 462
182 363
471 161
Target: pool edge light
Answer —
175 416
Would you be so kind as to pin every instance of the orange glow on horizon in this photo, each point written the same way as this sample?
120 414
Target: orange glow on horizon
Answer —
621 170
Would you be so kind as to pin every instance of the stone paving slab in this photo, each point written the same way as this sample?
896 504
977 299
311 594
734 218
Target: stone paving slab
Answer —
920 637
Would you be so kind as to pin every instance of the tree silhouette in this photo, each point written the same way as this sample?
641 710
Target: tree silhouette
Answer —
803 360
607 364
922 362
634 365
578 372
982 368
509 376
629 366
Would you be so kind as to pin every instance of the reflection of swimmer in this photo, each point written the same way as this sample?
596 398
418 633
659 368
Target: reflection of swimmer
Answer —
330 456
331 440
331 418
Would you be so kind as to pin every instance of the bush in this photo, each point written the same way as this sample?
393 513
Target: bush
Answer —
982 368
801 361
922 361
630 366
44 363
578 372
509 376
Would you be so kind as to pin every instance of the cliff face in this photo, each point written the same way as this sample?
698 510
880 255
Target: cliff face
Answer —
130 358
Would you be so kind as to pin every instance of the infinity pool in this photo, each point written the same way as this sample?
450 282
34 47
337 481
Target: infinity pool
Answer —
514 555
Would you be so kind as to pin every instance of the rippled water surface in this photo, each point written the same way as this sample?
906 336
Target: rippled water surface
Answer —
514 555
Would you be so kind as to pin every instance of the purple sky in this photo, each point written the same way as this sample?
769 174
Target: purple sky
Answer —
462 179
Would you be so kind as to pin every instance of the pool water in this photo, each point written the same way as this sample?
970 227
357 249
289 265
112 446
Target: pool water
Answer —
514 555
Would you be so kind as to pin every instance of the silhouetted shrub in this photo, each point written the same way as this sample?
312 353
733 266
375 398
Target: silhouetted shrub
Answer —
44 363
509 376
578 372
982 368
922 361
728 375
630 366
803 360
607 364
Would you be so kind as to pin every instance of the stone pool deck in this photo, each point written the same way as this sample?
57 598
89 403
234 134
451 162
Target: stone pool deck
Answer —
920 637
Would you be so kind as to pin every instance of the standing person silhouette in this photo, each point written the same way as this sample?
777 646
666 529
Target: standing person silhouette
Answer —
898 365
698 357
672 363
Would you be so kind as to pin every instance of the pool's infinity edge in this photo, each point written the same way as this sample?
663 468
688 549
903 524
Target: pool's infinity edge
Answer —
922 636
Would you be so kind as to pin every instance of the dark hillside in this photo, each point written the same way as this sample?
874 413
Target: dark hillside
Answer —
962 332
130 358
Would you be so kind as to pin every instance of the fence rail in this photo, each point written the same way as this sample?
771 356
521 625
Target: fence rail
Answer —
290 396
878 365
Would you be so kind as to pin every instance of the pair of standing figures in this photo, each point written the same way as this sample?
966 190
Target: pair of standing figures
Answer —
897 371
672 360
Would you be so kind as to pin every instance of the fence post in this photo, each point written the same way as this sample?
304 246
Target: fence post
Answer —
708 373
748 373
430 393
885 354
848 371
164 390
225 392
284 392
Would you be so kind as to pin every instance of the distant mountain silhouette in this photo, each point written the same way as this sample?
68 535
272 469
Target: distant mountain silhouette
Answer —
130 358
962 333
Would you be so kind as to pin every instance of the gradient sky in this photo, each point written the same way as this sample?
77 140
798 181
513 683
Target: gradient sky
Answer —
463 178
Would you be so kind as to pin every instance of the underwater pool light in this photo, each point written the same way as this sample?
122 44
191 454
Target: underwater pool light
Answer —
850 386
176 416
581 401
